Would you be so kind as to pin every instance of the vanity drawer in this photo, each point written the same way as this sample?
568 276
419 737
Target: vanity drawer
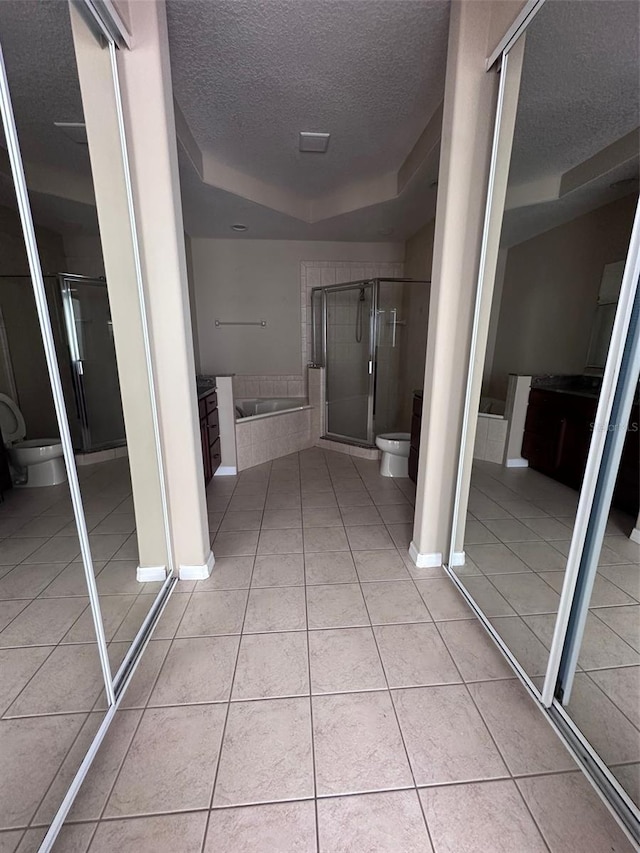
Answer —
215 456
211 401
213 427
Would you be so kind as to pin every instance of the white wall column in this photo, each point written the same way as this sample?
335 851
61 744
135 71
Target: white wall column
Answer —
468 120
145 78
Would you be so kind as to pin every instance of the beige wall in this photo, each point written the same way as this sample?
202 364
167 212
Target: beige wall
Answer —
255 280
550 292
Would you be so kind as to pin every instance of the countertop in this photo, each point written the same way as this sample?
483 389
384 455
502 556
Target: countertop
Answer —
205 385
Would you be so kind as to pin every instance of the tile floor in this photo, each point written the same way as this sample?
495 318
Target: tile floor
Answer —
320 693
518 534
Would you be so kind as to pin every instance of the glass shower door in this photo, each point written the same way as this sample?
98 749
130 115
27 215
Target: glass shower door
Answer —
349 362
93 360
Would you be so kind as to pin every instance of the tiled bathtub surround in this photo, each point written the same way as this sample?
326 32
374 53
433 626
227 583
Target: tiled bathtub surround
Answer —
289 385
261 439
320 693
491 438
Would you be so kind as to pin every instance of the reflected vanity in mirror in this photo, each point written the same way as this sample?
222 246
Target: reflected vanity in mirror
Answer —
567 156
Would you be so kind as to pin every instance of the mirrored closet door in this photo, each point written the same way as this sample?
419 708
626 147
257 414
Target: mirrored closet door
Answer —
82 519
552 354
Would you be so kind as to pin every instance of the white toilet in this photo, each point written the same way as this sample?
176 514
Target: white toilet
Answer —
395 453
37 462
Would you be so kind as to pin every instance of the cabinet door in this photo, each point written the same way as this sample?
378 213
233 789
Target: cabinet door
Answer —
206 456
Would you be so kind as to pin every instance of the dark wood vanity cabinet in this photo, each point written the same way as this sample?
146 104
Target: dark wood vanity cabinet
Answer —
557 434
209 433
414 447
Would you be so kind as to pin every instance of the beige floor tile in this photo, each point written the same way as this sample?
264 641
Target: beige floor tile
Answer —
70 680
280 542
369 537
604 593
144 678
241 543
414 655
43 622
276 609
522 509
476 533
487 597
599 712
278 570
281 827
228 573
159 834
443 600
627 550
272 665
483 816
105 545
524 737
344 660
167 624
625 621
336 606
432 720
283 500
322 516
539 556
242 520
319 499
494 559
28 580
549 528
209 613
97 785
162 773
629 777
16 668
511 530
387 822
281 519
400 513
119 578
474 652
330 567
70 581
626 577
266 754
529 651
71 839
601 647
360 515
526 593
571 816
380 565
245 503
401 535
394 601
31 751
13 551
322 539
113 609
358 746
197 669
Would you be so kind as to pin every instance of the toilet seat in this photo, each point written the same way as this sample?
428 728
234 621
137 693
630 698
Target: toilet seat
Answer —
12 423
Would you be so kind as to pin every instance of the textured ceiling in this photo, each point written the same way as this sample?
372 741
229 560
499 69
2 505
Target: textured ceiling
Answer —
43 80
580 87
250 74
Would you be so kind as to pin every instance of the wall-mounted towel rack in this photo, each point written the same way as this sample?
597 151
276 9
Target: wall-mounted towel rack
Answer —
262 323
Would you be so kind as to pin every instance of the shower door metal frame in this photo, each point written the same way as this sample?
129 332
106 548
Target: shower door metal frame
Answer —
374 283
352 285
77 370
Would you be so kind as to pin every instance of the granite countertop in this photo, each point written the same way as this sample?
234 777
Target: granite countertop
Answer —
205 385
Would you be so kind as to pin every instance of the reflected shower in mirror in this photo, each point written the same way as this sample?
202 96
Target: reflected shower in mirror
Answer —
570 201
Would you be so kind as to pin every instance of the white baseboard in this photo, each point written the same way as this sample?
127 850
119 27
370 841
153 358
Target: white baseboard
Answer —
197 573
458 558
147 574
635 535
517 462
226 471
424 561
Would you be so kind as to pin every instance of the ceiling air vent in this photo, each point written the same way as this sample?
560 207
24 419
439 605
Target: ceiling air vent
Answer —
316 143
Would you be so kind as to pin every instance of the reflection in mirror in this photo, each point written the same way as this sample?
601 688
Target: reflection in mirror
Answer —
52 693
570 201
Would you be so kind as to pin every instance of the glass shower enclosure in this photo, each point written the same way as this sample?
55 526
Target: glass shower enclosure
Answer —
360 336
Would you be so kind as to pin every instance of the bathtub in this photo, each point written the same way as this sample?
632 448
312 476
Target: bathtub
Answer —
253 407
